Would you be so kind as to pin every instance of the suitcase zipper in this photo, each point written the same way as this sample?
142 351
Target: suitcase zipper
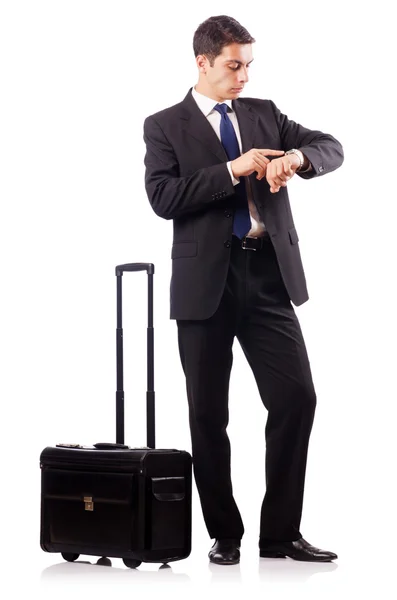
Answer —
120 462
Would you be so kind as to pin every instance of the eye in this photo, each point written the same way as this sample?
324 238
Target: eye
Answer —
236 68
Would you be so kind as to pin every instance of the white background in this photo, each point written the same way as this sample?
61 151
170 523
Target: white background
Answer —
77 80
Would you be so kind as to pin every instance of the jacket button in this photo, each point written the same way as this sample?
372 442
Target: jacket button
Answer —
228 214
227 244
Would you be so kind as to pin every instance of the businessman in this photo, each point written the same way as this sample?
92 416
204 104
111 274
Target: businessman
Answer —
219 166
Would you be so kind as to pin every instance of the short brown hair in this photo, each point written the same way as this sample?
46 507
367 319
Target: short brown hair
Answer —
213 34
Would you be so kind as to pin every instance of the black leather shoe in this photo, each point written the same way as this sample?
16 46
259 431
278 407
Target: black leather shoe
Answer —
225 552
298 550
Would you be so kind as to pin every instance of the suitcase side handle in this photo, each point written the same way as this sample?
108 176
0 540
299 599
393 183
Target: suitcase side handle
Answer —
110 446
150 395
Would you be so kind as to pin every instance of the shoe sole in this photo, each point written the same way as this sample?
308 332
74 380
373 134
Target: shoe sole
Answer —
230 562
269 554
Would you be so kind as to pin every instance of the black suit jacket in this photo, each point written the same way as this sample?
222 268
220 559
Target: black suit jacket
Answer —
187 180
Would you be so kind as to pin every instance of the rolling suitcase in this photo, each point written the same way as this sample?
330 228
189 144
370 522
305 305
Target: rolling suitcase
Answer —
112 500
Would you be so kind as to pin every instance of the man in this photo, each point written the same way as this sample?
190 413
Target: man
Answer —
218 166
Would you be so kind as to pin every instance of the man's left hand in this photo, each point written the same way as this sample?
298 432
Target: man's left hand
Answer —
280 170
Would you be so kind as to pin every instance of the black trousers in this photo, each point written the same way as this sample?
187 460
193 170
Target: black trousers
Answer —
256 309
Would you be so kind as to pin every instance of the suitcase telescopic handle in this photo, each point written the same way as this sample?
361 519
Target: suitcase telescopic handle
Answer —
150 396
149 267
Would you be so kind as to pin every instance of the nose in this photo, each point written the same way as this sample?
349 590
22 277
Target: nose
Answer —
243 72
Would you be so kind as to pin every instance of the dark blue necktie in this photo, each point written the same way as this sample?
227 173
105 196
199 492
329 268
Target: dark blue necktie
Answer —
242 221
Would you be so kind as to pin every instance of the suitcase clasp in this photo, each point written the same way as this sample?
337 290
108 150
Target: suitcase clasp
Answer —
88 503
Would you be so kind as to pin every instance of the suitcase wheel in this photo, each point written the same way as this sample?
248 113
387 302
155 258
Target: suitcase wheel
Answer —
69 556
132 563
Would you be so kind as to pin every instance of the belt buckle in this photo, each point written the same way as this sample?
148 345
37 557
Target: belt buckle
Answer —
244 247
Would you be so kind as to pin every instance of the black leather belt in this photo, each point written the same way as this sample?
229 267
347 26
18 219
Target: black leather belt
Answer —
252 243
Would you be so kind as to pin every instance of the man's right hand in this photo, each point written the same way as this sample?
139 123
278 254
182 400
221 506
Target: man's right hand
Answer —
253 160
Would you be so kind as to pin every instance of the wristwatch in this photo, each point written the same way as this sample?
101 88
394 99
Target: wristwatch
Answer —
298 154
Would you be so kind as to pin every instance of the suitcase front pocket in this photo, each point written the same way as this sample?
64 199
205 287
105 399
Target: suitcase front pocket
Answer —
89 509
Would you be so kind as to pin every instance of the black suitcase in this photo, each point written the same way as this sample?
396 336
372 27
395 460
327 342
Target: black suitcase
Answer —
111 500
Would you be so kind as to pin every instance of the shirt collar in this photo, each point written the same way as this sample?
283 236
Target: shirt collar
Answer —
206 104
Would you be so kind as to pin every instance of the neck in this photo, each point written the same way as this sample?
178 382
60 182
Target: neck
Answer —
201 88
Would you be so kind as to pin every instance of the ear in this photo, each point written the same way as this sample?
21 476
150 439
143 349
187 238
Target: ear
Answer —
202 63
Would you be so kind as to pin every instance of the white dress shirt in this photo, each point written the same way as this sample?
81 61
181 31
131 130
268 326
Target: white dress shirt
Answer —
206 105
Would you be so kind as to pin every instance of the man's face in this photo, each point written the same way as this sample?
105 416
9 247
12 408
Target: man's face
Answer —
228 76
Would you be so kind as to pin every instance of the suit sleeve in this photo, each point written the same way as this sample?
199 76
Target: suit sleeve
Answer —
170 195
322 149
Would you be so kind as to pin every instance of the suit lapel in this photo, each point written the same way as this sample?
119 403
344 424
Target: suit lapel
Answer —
197 125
